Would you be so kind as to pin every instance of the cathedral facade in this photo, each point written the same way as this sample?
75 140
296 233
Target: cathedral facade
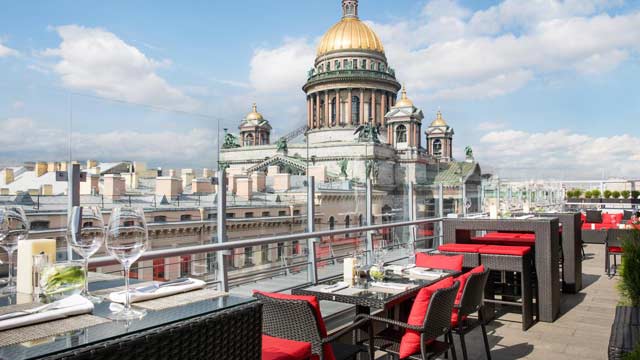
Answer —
360 120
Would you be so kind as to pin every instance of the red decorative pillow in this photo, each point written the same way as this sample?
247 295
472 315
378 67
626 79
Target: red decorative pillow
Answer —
327 349
463 280
440 261
410 343
274 348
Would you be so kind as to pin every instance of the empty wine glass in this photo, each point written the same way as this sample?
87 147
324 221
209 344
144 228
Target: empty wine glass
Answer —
14 227
126 240
85 234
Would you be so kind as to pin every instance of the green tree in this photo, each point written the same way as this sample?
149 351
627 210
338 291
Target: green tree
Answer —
615 194
625 194
588 195
595 193
607 194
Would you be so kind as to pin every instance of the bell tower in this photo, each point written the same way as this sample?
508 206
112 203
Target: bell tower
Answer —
440 139
349 8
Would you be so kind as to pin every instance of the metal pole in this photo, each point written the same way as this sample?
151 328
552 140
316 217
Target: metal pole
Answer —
440 212
221 256
312 272
412 214
464 199
369 205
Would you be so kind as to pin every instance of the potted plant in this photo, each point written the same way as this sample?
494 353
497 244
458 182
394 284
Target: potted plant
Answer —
588 195
596 195
635 194
607 194
616 195
624 327
626 194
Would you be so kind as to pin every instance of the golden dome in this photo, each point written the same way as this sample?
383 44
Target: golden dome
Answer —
350 34
439 121
254 115
404 100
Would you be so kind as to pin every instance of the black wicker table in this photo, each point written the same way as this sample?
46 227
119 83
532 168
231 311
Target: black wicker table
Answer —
227 327
547 248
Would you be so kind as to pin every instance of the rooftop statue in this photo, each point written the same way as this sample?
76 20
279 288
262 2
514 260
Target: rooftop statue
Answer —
468 152
230 141
372 169
282 145
344 163
368 133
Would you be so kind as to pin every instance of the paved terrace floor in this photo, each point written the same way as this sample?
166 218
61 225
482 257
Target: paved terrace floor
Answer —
581 332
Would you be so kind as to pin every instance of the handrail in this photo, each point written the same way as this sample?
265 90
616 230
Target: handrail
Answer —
214 247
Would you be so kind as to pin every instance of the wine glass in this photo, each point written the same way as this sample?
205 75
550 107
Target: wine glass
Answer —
85 234
126 240
14 227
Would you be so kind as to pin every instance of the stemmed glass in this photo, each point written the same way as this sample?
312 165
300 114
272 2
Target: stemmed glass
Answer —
126 240
85 234
14 227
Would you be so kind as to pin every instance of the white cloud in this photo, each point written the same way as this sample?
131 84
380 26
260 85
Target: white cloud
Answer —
6 51
283 68
196 146
489 88
555 154
97 60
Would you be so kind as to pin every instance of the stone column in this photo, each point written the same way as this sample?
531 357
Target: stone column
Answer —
338 105
309 112
383 107
327 116
373 108
349 120
362 120
317 110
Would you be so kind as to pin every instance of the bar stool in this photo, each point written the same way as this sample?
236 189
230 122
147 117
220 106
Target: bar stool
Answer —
468 251
516 259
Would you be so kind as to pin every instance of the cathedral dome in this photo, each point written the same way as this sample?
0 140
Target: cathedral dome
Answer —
404 100
254 115
439 121
350 33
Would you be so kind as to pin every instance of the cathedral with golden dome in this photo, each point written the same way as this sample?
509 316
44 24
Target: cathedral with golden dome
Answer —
360 120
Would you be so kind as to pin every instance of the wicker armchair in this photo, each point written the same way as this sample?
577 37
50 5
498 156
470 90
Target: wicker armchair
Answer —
471 302
296 320
437 322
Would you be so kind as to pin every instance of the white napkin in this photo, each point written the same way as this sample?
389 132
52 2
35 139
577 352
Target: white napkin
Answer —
390 285
70 306
436 274
119 296
335 287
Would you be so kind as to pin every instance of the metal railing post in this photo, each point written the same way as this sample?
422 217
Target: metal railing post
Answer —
312 272
369 220
73 184
440 212
221 256
464 199
412 215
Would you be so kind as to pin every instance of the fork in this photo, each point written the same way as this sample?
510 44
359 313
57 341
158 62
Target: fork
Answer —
37 310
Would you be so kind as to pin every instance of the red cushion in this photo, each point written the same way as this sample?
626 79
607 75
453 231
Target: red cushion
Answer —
328 350
606 218
463 280
274 348
471 248
440 261
410 343
615 249
505 250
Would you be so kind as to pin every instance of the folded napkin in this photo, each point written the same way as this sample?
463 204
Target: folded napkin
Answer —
137 296
335 287
426 272
70 306
391 285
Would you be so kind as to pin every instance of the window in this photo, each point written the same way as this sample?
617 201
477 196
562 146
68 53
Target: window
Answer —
296 212
264 253
280 251
328 66
185 217
39 225
373 66
347 224
333 111
185 266
248 140
437 147
336 66
231 215
212 216
282 213
401 134
364 64
360 220
332 223
266 214
295 245
355 110
355 64
160 219
322 112
248 215
248 256
346 64
158 269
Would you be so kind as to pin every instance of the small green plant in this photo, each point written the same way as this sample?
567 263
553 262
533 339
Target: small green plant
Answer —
615 194
569 194
596 194
625 194
629 284
635 194
634 355
577 193
607 194
588 195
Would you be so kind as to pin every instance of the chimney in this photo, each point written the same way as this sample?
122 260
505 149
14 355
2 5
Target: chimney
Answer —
244 188
202 186
7 176
281 182
187 176
259 180
114 186
168 186
91 164
46 189
319 172
91 186
41 168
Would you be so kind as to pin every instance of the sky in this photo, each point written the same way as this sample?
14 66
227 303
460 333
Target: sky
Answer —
538 88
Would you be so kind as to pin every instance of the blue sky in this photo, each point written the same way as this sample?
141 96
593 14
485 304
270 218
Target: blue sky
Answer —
539 88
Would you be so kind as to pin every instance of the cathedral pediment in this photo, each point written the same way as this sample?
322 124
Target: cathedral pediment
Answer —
282 161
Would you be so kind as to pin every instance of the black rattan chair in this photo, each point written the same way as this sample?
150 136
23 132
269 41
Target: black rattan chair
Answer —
437 322
471 302
296 320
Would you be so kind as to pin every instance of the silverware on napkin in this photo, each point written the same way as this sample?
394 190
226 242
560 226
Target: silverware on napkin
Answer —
155 286
37 310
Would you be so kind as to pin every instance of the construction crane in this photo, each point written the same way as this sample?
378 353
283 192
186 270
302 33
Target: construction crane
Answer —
295 133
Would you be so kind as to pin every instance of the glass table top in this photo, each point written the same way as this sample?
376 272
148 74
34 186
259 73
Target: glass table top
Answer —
111 330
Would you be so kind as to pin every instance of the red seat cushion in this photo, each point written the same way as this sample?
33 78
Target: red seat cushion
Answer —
274 348
615 249
444 262
471 248
505 250
328 350
410 343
